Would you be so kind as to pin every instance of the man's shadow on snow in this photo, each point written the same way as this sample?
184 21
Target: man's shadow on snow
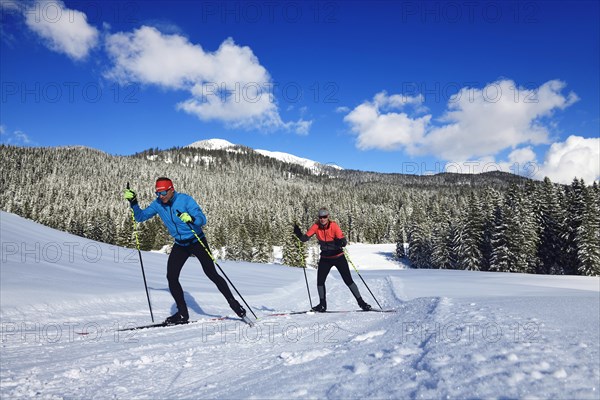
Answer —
190 301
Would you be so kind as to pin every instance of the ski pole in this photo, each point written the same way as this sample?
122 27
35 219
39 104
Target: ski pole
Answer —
361 278
217 264
304 268
137 242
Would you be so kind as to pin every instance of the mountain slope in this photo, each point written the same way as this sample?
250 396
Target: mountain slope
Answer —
212 144
456 334
220 144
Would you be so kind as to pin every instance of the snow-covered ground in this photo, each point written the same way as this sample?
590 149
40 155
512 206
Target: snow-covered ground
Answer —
455 334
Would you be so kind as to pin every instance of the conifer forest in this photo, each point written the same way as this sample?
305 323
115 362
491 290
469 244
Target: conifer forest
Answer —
488 222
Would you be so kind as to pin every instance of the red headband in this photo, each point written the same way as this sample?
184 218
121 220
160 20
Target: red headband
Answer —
163 184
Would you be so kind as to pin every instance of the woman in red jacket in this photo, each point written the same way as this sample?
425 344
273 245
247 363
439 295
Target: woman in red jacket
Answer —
332 240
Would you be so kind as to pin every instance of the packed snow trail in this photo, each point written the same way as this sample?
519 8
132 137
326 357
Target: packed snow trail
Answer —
456 334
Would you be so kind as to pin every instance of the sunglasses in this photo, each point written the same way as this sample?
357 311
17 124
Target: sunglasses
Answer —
162 193
323 217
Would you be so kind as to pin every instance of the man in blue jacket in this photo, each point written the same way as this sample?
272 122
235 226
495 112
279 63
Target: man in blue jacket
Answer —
178 212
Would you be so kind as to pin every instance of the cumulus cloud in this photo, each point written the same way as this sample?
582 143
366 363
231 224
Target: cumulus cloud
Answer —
482 122
576 157
63 30
477 123
378 126
228 84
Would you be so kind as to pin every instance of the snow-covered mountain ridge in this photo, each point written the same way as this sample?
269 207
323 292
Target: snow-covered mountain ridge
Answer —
221 144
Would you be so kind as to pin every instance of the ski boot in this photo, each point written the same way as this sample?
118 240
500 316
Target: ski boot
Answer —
237 308
177 318
321 307
364 306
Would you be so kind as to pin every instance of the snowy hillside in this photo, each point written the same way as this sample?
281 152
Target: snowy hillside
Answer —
212 144
292 159
221 144
455 334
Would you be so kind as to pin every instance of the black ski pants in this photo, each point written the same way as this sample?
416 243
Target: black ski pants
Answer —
178 257
325 265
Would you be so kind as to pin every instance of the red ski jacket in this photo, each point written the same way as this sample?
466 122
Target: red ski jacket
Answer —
326 236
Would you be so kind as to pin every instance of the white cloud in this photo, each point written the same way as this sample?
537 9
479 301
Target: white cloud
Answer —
64 30
377 129
228 84
399 101
482 122
478 122
522 156
576 157
15 138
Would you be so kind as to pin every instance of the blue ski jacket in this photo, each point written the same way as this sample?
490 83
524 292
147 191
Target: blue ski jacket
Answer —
180 231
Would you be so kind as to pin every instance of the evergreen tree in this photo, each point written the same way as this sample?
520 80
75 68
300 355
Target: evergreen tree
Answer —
442 240
294 252
575 210
419 241
312 260
529 224
468 247
400 251
491 201
588 236
551 245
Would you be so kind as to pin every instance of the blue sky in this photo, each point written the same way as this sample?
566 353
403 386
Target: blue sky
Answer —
390 86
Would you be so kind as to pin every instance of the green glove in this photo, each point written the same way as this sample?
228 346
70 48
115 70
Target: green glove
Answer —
185 217
130 196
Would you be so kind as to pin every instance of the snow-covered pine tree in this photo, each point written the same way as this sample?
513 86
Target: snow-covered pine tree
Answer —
294 252
529 210
124 237
441 251
263 249
419 240
575 209
551 245
500 260
400 251
588 236
468 249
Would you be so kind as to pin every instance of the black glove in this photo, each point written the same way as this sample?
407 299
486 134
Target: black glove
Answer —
297 231
341 242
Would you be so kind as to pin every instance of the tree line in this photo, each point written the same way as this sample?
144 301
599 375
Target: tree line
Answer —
539 228
487 222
